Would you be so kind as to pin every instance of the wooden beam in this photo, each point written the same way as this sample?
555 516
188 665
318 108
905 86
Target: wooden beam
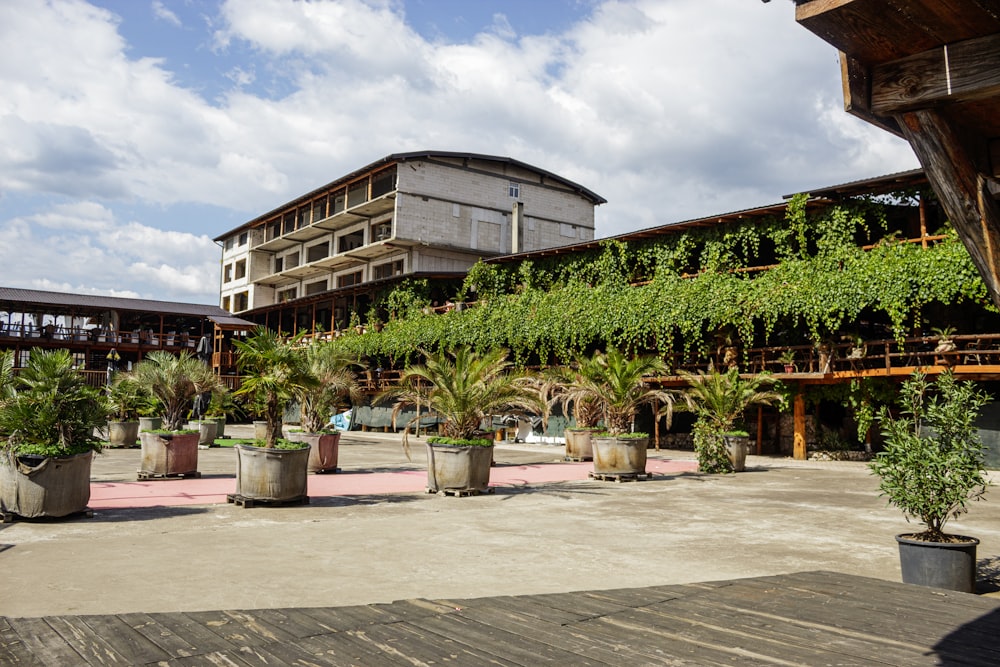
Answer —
856 79
799 428
960 72
962 189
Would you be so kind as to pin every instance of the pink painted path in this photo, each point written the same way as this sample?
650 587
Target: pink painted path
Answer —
213 490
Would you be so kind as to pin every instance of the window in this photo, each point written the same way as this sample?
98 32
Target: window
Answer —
513 190
240 269
80 360
225 303
291 260
317 252
229 243
349 279
302 219
349 242
567 230
316 287
357 193
279 264
382 231
241 301
243 238
319 209
288 222
387 270
337 203
287 294
227 273
383 182
273 230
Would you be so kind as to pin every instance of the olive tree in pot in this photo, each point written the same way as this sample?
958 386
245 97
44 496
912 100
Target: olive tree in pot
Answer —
718 400
615 384
335 388
125 397
932 465
48 414
174 381
462 389
272 470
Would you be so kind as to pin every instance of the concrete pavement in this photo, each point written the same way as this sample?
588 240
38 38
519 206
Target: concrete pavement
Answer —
533 537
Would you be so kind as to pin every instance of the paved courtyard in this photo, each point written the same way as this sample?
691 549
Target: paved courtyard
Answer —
376 544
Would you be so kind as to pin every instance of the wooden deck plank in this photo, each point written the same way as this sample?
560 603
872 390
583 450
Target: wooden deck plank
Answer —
349 618
292 621
93 648
424 647
531 606
227 658
239 628
174 645
131 644
46 645
580 604
345 648
180 624
12 648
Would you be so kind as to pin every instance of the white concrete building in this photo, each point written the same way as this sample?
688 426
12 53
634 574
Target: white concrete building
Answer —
430 212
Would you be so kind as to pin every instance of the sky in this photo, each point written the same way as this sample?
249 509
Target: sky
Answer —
133 132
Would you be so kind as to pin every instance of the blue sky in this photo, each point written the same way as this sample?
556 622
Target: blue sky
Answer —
132 132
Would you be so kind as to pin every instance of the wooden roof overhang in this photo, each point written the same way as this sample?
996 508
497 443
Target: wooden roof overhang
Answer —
929 71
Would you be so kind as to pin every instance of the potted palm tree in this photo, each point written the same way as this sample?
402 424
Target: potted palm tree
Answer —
125 398
272 470
615 385
336 388
552 387
717 400
932 465
461 389
48 414
174 381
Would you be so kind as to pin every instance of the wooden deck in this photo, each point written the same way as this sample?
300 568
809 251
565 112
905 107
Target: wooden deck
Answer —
812 618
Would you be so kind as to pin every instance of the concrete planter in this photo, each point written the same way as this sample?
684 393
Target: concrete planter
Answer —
168 454
123 434
207 429
459 469
271 475
737 447
324 450
939 564
35 487
150 423
578 444
619 456
260 430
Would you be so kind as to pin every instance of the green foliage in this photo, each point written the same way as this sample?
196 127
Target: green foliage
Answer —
53 412
933 459
669 293
614 384
462 388
175 381
718 400
274 373
279 443
462 442
335 387
126 397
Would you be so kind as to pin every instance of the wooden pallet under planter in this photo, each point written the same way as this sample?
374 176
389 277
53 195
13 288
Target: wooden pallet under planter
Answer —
142 475
620 477
246 501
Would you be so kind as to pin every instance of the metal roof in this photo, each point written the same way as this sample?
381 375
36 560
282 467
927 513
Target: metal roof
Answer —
64 301
415 155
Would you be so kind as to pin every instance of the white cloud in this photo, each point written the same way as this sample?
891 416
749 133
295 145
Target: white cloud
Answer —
671 110
161 12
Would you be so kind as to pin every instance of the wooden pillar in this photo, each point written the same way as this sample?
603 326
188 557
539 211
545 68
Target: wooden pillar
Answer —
799 430
923 222
656 424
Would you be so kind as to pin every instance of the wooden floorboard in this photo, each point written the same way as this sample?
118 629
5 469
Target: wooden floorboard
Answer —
809 618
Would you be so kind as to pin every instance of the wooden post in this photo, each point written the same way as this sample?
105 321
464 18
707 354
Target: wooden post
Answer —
799 430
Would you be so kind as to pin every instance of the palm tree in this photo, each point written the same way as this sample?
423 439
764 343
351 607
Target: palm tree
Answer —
6 375
718 400
614 384
336 385
462 388
175 381
275 372
53 412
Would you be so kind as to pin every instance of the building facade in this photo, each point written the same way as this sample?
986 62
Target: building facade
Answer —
407 214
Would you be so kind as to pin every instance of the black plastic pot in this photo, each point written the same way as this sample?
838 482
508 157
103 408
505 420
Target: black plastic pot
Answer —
950 565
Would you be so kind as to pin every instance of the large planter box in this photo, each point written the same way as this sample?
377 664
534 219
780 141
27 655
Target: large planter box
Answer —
939 564
34 487
168 454
324 450
620 456
271 475
207 430
123 434
578 444
737 447
458 469
150 423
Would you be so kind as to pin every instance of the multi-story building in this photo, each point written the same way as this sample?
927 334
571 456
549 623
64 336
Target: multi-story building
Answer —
428 213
